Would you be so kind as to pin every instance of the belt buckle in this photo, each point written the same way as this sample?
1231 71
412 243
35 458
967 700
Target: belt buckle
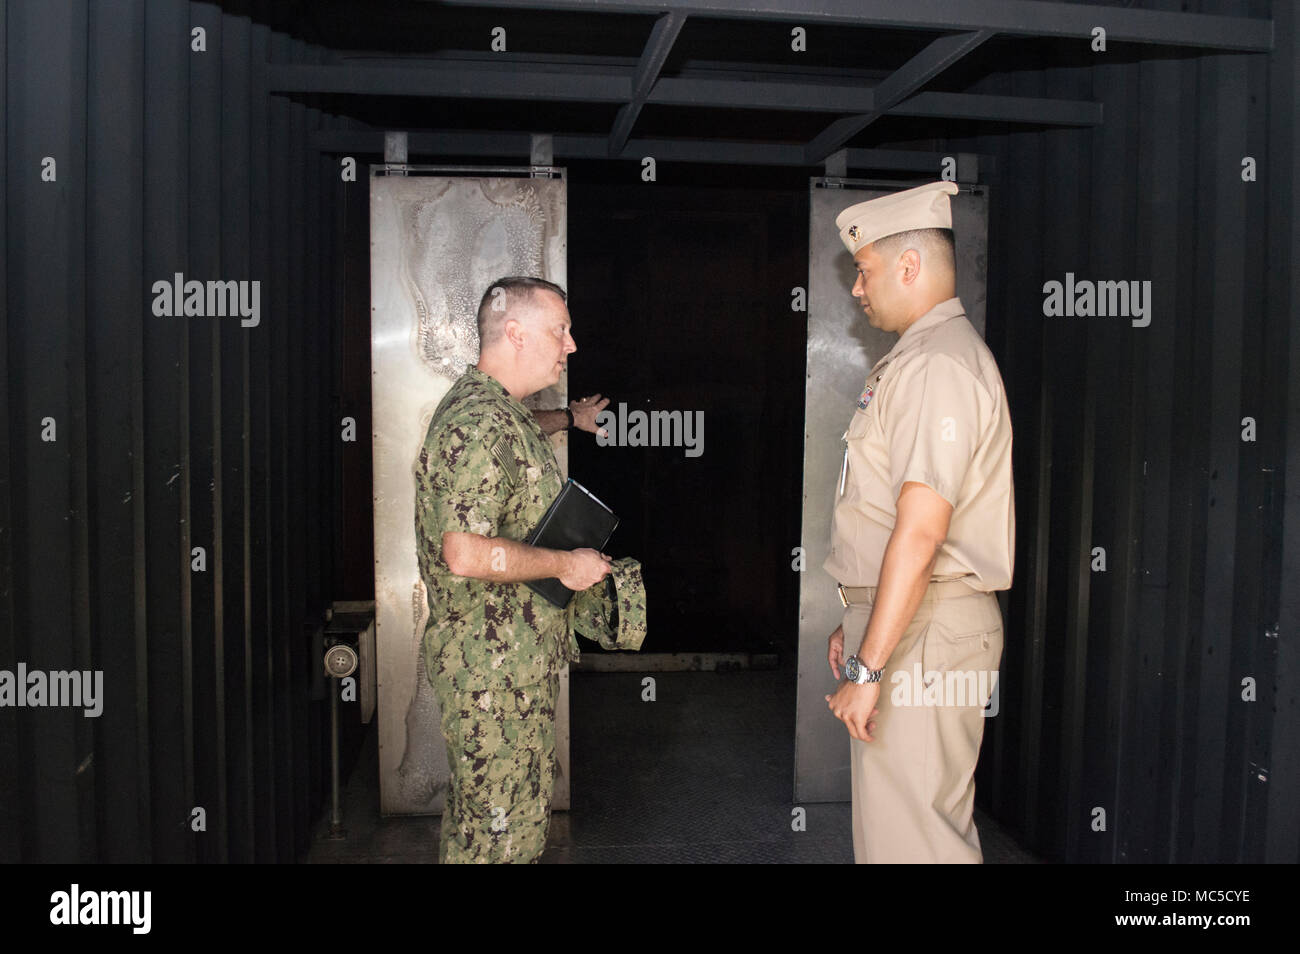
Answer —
843 599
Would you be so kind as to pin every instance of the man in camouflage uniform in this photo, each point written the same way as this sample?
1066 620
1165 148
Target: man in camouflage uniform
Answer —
493 648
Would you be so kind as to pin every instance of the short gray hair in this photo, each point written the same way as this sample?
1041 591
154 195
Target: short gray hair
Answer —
502 296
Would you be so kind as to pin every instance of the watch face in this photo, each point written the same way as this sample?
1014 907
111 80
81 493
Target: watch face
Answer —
851 669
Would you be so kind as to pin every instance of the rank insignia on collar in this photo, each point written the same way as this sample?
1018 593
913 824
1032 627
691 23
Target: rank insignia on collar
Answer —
865 399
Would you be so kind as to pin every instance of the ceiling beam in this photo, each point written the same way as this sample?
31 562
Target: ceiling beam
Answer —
900 84
502 144
656 51
580 62
452 82
488 81
1003 109
1012 17
818 98
762 94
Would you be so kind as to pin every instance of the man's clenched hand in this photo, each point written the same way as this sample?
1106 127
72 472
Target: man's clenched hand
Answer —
854 705
585 567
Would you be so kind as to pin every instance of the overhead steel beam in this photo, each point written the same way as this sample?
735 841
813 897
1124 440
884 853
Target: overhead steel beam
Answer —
903 82
498 144
1014 17
924 66
475 82
453 83
652 61
747 94
814 97
1005 109
601 63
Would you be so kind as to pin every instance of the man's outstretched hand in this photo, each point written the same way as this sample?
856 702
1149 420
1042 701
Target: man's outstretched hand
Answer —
584 412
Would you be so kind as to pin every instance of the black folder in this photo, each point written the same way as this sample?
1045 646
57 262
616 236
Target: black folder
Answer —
575 519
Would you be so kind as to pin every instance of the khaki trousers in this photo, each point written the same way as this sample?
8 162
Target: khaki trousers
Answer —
913 784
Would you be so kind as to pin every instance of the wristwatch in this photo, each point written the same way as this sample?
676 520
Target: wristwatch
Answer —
569 411
855 672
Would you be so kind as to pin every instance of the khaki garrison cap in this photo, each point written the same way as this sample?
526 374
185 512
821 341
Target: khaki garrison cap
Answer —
925 207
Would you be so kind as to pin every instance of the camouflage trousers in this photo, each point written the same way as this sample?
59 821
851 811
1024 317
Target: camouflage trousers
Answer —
501 752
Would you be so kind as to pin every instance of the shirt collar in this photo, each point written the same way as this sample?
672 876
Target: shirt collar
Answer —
497 387
483 376
935 316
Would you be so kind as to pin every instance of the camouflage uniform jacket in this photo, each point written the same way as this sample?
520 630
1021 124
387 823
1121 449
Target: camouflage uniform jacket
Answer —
486 467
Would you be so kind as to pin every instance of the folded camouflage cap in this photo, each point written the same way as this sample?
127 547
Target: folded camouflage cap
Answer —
612 613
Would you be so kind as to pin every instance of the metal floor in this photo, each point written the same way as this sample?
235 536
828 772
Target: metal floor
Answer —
703 774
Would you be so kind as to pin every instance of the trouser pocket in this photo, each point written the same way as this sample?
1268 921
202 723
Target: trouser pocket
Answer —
962 651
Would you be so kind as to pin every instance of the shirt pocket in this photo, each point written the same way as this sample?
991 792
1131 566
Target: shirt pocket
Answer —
537 487
860 424
864 417
542 483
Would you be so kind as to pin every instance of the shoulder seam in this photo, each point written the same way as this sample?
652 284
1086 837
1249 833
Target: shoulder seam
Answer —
954 362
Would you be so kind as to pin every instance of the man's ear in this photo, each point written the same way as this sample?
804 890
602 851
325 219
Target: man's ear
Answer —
910 262
514 333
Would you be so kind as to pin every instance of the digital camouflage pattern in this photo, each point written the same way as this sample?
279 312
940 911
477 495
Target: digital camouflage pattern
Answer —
486 467
494 651
613 612
501 746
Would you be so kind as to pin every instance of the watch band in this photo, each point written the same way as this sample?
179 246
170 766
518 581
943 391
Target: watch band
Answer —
569 411
864 675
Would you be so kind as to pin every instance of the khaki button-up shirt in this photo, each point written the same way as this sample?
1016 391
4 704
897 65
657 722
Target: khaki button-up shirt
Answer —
933 411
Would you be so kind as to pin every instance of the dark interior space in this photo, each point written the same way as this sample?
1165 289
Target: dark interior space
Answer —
680 300
180 510
688 293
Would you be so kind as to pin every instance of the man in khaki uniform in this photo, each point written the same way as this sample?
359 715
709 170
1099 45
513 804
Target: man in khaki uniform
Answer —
922 536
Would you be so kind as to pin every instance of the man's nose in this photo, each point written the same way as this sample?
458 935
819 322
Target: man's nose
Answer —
857 286
570 345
